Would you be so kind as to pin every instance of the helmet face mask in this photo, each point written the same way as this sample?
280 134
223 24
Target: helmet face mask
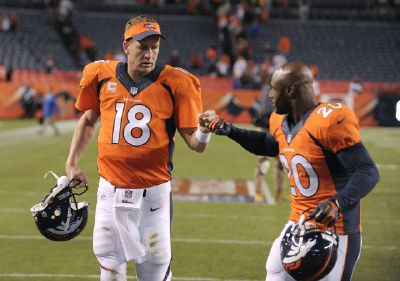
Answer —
59 217
308 250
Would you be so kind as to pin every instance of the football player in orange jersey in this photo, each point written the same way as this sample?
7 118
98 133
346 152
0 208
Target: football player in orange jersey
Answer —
140 105
329 168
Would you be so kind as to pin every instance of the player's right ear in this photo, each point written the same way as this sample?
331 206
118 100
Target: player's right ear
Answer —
125 46
291 91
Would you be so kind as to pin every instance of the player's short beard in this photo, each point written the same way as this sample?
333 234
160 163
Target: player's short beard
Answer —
282 105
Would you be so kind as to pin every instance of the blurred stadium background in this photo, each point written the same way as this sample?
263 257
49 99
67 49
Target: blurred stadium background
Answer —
352 47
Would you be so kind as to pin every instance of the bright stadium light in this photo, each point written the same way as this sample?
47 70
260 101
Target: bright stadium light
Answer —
398 110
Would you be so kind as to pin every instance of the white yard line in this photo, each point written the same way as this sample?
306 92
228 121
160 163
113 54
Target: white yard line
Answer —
23 135
194 240
391 167
93 276
213 216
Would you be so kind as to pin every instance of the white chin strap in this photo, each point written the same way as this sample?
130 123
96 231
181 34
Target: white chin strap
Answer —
51 172
62 181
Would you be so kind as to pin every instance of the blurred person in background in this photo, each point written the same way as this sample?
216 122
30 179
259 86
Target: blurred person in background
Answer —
304 10
239 67
140 105
15 21
284 45
49 108
251 77
5 23
119 56
355 88
222 67
316 86
28 101
261 111
66 110
196 61
89 46
49 63
3 73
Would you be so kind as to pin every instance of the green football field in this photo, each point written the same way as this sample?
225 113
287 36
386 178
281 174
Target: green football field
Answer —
211 241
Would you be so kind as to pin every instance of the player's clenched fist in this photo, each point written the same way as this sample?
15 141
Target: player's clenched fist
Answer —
205 118
214 123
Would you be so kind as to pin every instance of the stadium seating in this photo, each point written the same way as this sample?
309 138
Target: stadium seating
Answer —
339 10
339 48
27 46
187 34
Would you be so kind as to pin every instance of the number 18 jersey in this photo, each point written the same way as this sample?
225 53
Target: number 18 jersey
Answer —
308 152
138 119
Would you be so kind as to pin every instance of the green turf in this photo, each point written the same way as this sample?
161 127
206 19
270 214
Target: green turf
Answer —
7 124
198 228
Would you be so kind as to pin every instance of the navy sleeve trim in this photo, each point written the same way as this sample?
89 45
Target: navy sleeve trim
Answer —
364 175
259 143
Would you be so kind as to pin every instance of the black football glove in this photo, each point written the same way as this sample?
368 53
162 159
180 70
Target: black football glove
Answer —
220 127
326 213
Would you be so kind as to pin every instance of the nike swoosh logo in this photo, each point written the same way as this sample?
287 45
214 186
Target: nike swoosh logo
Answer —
340 121
155 209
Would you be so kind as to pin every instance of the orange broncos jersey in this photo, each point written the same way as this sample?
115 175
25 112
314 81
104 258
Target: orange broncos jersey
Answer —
138 120
308 150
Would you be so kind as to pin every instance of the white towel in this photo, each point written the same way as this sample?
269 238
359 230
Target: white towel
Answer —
127 205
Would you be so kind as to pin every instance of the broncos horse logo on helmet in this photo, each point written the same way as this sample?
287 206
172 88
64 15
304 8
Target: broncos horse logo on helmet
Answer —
308 250
59 217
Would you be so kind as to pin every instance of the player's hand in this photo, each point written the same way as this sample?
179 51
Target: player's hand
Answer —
326 213
220 127
204 119
76 175
214 123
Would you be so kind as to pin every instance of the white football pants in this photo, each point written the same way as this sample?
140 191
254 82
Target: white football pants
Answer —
133 225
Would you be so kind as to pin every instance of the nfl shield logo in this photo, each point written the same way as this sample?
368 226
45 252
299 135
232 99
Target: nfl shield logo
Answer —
128 193
133 91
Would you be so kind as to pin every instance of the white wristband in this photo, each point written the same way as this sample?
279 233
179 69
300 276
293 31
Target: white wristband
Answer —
201 137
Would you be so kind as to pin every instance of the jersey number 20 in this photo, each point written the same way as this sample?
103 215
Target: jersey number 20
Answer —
313 181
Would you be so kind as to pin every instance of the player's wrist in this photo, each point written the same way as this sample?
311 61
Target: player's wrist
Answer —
202 137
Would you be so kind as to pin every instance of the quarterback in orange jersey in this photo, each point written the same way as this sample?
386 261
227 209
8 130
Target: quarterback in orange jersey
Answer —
140 105
329 170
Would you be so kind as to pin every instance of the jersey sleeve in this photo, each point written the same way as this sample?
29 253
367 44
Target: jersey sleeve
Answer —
188 103
343 130
88 97
275 122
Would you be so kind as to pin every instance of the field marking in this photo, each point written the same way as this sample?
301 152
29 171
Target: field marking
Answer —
214 241
211 216
182 240
235 217
23 135
94 276
385 142
13 210
391 167
192 240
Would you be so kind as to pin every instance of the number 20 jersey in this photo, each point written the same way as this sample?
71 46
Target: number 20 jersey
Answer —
308 152
138 119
